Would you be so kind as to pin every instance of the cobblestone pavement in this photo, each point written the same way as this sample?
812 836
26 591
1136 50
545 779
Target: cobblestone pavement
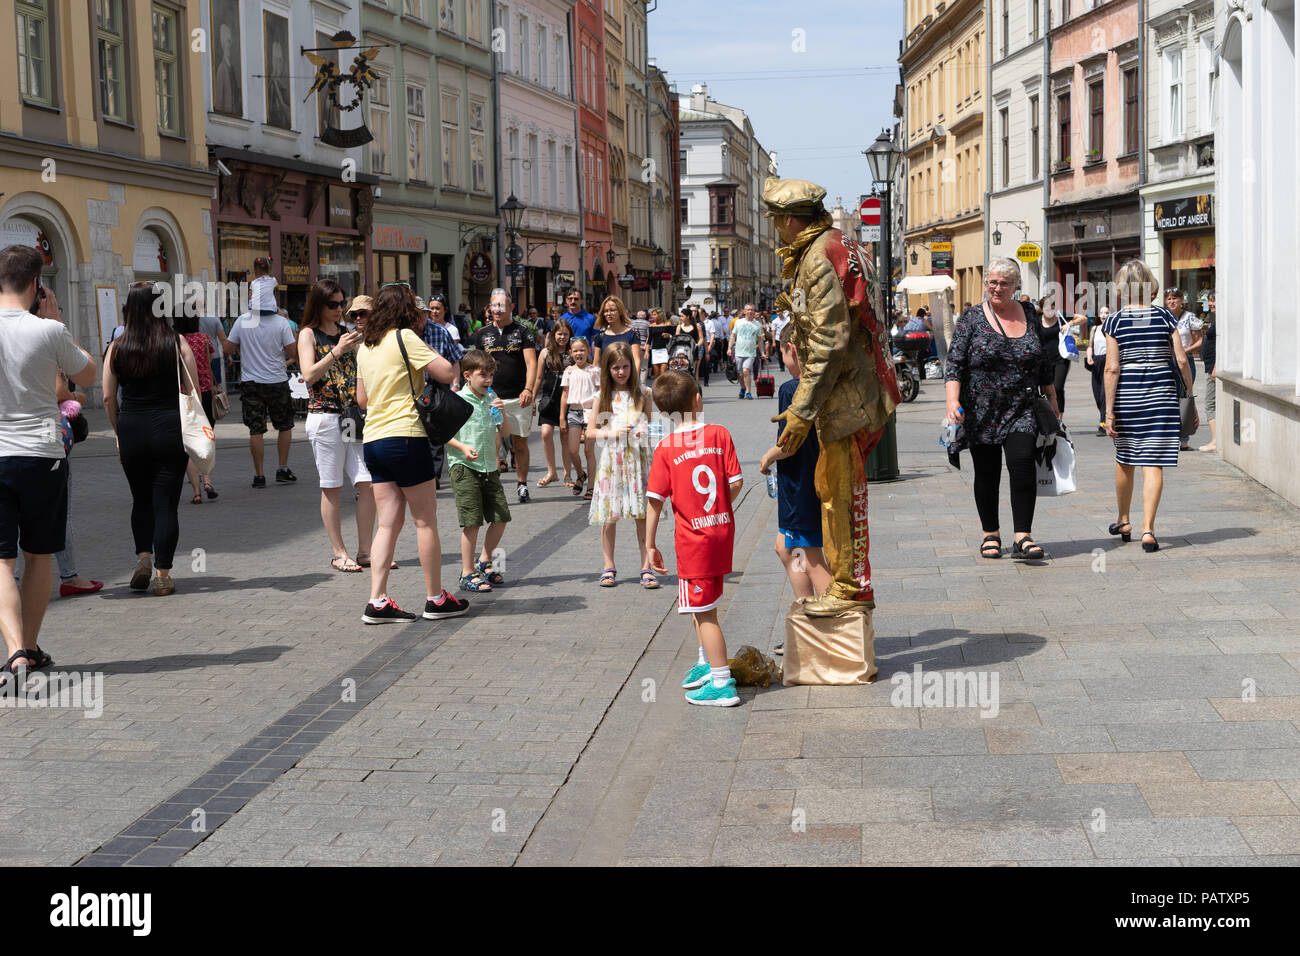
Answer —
546 726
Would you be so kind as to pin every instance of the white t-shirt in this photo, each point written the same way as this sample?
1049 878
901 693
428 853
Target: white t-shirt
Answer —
452 330
262 340
1098 342
32 351
261 294
1188 323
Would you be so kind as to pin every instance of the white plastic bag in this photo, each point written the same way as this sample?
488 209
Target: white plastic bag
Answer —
1055 464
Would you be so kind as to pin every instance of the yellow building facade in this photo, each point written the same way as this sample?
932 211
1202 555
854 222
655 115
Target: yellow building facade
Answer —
103 163
943 63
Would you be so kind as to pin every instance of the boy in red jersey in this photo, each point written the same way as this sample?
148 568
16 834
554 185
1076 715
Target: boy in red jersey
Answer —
696 466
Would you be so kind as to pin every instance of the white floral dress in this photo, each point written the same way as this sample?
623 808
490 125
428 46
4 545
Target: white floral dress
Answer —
622 468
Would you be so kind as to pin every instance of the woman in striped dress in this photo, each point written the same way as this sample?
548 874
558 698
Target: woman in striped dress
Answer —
1142 345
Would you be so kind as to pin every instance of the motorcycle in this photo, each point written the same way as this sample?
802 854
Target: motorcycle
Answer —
908 386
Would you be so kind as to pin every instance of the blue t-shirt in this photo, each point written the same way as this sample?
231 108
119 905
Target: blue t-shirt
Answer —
632 337
581 323
797 506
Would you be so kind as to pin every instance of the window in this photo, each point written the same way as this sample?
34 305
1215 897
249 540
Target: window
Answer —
165 76
1035 16
1205 96
542 78
600 185
558 83
569 179
476 20
112 65
446 15
1004 115
685 265
1096 119
1063 128
724 261
477 147
534 172
450 116
381 160
34 51
327 115
552 177
522 66
415 120
686 210
1034 148
512 160
414 8
1131 110
1174 103
1006 25
726 212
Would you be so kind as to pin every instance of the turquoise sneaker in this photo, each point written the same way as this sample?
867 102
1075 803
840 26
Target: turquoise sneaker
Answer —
696 677
710 696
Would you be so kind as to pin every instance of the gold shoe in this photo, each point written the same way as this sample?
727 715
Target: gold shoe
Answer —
143 572
164 586
827 606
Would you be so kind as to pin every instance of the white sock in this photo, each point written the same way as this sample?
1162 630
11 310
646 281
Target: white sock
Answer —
720 675
703 657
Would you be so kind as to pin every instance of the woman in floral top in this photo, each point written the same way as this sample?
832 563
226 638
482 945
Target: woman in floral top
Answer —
996 369
328 357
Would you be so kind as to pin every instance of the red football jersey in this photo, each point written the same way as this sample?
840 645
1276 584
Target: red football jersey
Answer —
695 468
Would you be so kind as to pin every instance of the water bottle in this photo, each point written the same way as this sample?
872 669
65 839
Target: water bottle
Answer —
497 417
949 433
771 483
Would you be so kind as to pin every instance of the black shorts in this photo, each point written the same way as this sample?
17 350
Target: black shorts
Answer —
33 505
261 402
406 461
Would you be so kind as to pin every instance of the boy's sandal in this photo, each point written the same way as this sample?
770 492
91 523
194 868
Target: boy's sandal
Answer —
1025 548
490 574
344 563
992 547
607 578
474 583
648 579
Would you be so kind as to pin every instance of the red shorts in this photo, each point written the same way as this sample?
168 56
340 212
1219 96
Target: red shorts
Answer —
698 594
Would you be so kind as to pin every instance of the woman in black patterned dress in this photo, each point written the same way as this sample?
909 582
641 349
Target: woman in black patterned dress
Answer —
996 368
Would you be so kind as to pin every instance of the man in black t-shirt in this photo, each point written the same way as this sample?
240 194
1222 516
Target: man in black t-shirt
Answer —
515 351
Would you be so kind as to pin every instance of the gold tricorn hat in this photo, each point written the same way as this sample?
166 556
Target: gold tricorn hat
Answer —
792 197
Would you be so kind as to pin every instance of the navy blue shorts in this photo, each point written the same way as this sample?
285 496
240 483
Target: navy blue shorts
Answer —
33 505
407 461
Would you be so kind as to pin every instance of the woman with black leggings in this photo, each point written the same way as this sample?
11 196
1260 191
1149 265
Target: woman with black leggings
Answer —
145 362
995 370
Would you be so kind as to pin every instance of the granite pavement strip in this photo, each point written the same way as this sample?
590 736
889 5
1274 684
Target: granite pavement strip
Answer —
523 733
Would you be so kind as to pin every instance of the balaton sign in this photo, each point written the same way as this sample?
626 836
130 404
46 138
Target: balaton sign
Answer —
1188 212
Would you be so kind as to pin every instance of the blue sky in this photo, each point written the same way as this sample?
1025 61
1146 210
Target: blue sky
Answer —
817 109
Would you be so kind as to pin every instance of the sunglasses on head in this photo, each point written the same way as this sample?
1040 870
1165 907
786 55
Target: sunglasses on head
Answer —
404 285
1177 292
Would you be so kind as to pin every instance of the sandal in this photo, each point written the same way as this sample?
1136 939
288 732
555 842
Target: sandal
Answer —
1025 548
577 485
607 578
211 492
363 560
490 574
587 496
546 480
1123 529
991 547
648 579
25 654
344 563
196 500
474 583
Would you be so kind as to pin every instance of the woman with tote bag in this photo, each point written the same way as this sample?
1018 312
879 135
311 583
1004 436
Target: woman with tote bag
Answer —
160 417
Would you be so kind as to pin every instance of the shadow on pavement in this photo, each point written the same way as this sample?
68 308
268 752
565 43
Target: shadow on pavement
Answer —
208 584
182 662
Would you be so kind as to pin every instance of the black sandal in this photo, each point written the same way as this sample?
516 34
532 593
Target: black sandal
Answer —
991 541
1027 549
36 659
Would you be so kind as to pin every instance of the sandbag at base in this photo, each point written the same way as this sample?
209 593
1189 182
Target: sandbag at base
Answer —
829 650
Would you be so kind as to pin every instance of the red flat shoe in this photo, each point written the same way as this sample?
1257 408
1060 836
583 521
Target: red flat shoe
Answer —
71 590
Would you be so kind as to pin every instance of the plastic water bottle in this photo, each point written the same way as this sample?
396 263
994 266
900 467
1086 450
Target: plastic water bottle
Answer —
497 417
771 483
949 433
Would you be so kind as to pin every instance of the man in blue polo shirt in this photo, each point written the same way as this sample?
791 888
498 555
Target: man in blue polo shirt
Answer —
581 320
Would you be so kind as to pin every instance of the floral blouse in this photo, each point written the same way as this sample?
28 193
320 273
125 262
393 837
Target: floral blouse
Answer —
999 378
337 390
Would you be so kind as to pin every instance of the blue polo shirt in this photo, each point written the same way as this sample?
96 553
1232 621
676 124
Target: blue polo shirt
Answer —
797 506
582 324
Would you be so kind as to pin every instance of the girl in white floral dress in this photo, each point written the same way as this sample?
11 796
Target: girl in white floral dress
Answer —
622 413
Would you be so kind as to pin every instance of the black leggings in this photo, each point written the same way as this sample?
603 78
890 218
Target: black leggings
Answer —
1019 448
154 460
1062 369
1099 385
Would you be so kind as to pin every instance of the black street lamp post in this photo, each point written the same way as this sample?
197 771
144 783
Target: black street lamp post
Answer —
883 157
513 212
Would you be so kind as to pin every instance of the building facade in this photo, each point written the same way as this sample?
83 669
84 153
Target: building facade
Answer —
616 123
539 145
1016 135
641 201
1178 187
1258 139
664 186
942 59
430 110
102 158
1094 216
284 191
593 149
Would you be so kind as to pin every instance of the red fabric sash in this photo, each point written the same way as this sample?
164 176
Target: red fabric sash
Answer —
856 272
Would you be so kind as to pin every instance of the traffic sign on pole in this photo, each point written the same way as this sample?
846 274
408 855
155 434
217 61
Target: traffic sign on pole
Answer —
870 211
870 233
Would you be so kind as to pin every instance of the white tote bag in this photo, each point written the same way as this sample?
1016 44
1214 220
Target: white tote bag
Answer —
1055 464
196 434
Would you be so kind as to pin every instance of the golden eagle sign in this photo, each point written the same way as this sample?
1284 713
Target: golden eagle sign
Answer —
330 78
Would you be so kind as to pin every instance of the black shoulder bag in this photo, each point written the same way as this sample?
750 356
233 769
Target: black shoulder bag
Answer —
1045 419
442 412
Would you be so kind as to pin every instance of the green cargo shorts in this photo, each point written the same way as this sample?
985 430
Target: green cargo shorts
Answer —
480 499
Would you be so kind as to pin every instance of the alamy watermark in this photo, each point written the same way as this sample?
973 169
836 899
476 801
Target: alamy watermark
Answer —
923 688
71 690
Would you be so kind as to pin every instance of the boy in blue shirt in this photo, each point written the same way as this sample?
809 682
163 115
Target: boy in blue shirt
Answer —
799 524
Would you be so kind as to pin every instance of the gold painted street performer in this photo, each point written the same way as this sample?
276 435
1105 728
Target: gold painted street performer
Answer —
847 386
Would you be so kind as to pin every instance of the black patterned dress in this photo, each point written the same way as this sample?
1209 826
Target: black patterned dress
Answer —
999 378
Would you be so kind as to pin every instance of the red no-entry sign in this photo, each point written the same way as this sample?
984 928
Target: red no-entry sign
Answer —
870 211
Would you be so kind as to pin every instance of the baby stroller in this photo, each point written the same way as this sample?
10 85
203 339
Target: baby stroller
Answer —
681 353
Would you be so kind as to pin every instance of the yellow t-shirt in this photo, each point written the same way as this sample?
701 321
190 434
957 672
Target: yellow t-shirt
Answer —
390 410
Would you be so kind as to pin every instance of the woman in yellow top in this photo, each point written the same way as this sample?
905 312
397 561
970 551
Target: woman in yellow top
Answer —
397 451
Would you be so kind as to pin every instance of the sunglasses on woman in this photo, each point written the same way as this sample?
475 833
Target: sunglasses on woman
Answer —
335 303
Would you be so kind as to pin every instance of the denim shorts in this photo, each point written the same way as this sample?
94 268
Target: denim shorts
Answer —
406 461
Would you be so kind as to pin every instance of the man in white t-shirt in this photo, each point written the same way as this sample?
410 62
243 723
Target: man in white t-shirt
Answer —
264 340
33 464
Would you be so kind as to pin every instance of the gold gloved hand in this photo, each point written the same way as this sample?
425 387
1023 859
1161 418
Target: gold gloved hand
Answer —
795 431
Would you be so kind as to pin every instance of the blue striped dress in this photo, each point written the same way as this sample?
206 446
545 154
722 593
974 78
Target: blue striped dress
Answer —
1146 402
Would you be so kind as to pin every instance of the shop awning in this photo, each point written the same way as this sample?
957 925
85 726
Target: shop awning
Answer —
926 285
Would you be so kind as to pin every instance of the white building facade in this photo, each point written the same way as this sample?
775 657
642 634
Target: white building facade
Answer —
1257 132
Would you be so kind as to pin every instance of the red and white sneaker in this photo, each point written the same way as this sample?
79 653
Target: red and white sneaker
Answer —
386 613
447 605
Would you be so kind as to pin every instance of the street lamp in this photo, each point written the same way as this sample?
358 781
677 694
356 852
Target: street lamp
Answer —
883 156
997 237
661 263
555 261
513 210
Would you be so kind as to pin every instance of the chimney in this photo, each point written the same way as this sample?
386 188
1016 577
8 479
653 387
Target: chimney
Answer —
700 97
